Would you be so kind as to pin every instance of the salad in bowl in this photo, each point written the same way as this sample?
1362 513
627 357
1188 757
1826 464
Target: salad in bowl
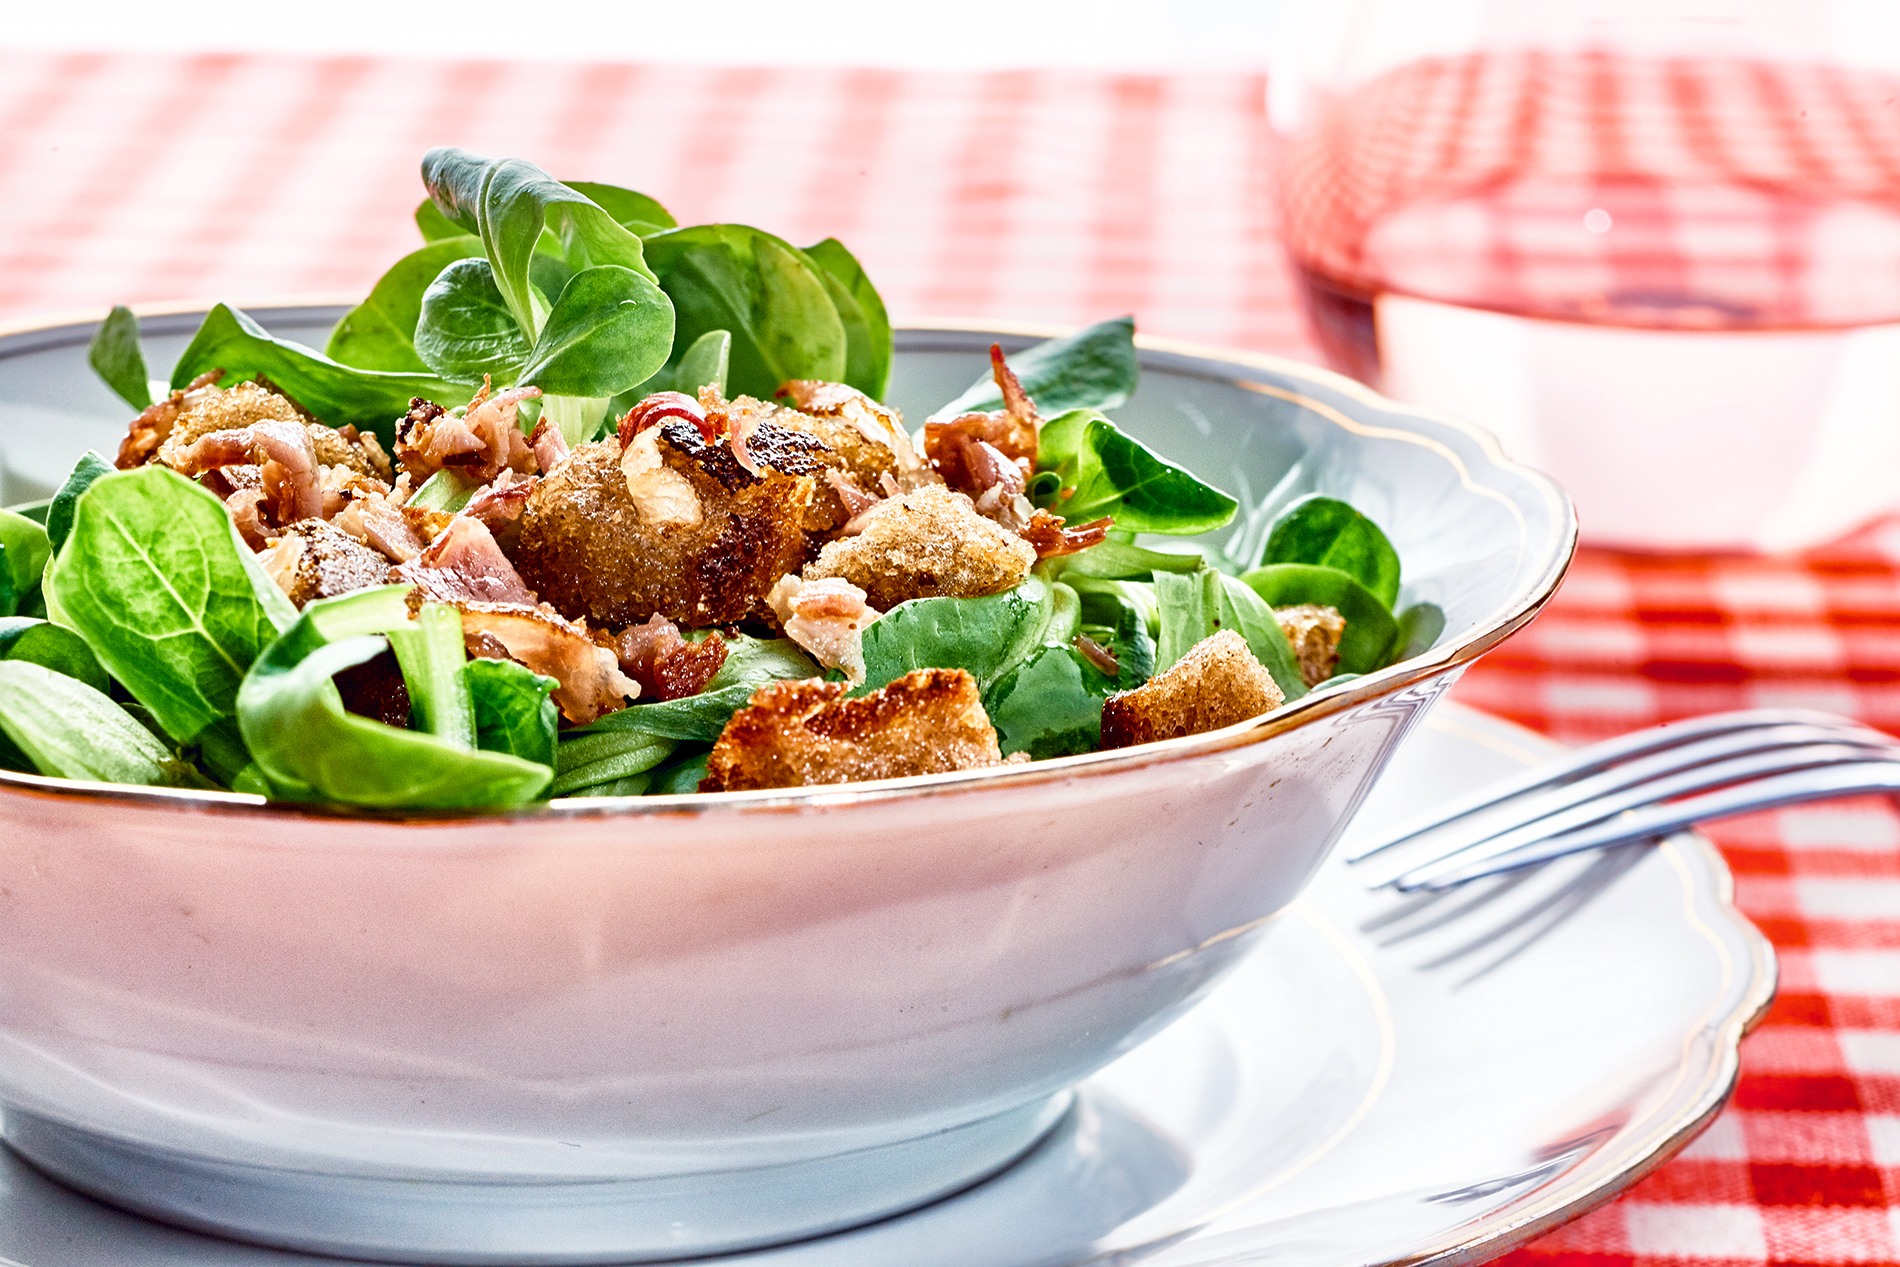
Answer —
582 503
359 890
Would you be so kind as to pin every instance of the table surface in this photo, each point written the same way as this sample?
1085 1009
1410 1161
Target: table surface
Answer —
1059 197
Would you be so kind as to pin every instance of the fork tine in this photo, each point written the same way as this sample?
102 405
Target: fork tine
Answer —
1597 757
1700 778
1453 838
1847 779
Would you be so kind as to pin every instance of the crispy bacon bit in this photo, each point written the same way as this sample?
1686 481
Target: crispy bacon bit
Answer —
855 499
379 524
502 501
1052 536
741 424
242 506
1016 402
549 445
827 618
591 682
660 406
666 665
283 452
150 429
464 564
1098 655
482 441
990 456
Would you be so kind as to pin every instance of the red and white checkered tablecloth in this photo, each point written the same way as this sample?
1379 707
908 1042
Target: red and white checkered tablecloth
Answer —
1060 197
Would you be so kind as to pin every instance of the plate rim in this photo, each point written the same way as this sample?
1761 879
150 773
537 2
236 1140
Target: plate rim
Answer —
1546 1209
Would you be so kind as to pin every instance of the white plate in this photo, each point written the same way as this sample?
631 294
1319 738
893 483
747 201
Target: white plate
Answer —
1385 1079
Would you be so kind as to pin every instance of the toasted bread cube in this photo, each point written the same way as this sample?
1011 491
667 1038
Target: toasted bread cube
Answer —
1315 633
690 535
314 559
796 734
926 543
1217 683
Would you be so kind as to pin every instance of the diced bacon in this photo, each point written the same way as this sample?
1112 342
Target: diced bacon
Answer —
660 406
591 682
827 618
549 445
1098 655
665 664
151 428
500 502
379 524
1052 536
740 425
464 564
483 441
284 454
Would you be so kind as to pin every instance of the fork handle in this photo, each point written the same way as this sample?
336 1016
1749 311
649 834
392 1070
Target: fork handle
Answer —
1820 783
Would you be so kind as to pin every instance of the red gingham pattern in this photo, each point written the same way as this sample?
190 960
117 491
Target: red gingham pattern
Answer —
1059 196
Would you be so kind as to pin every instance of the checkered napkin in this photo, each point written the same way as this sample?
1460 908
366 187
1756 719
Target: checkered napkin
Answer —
1055 197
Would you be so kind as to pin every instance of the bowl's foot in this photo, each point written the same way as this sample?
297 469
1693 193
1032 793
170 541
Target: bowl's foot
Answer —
509 1219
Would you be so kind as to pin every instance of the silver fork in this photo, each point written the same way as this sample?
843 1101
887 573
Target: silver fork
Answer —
1626 789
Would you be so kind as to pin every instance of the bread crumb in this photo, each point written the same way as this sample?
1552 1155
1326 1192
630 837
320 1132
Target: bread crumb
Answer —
1315 633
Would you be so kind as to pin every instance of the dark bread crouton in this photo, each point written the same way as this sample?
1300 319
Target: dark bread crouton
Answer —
1315 633
682 530
1217 683
314 559
926 543
796 734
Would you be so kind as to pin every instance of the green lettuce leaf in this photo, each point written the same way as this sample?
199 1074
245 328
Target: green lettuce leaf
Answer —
1094 368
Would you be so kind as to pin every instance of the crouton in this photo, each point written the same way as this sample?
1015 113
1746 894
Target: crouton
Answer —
1217 683
678 528
926 543
248 403
796 734
314 559
862 437
1315 633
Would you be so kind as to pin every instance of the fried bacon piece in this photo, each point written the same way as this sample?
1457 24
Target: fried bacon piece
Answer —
379 523
1217 683
549 445
797 734
666 665
672 524
1315 633
153 427
482 441
827 618
870 449
1052 536
990 456
591 683
924 543
500 504
284 455
313 560
464 564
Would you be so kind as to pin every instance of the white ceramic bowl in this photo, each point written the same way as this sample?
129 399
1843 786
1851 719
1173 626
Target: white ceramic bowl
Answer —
620 1029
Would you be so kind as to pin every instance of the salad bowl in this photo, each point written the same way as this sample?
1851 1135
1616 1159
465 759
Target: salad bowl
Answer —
612 1029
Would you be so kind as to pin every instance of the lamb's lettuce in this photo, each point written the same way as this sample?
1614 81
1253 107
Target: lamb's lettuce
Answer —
24 549
52 647
1371 631
70 730
586 764
750 663
1088 468
1051 704
309 748
380 332
370 399
464 329
514 709
118 357
174 605
1329 533
59 515
867 327
1094 368
760 288
985 636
